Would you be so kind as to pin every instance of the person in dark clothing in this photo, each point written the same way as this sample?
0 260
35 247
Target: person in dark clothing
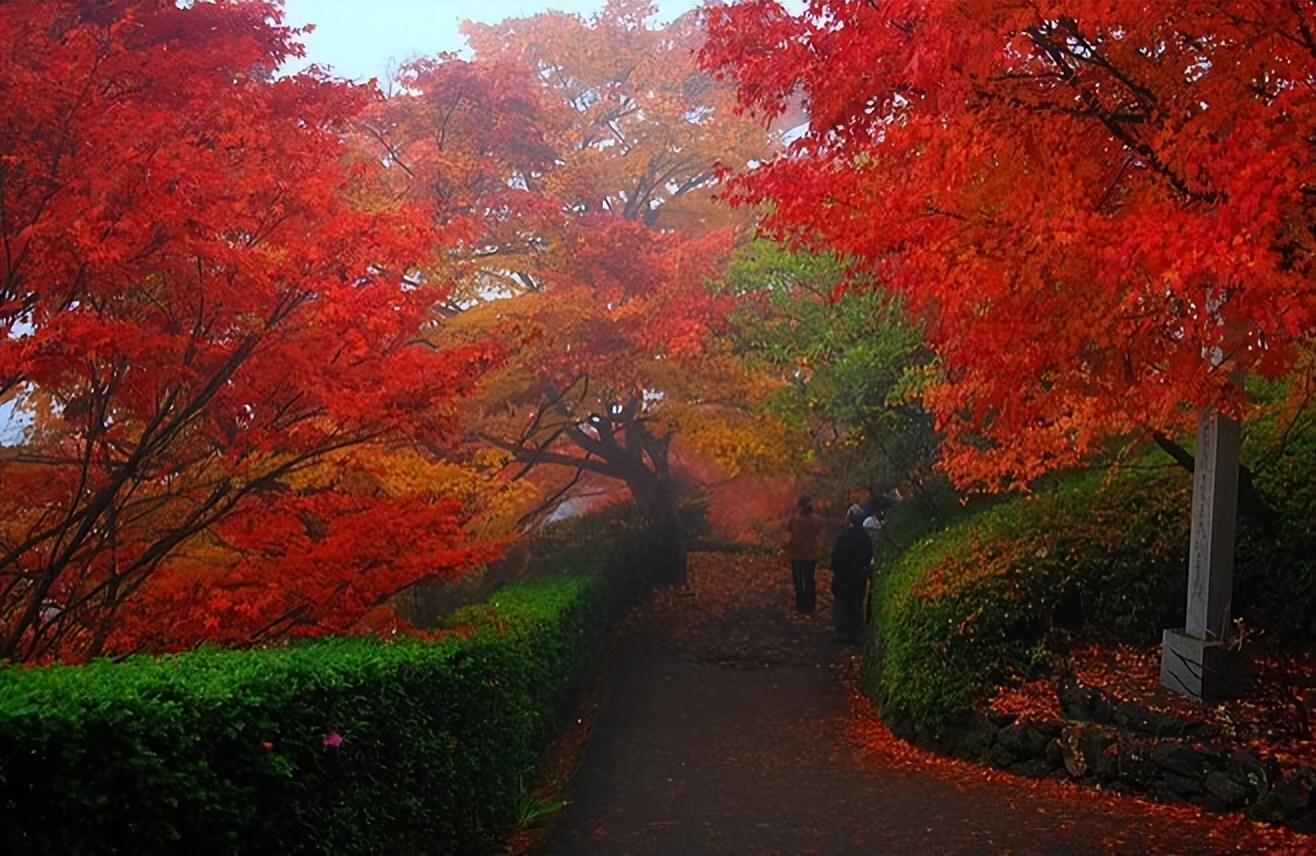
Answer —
875 503
802 549
852 559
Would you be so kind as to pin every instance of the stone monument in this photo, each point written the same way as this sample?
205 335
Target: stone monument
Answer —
1203 659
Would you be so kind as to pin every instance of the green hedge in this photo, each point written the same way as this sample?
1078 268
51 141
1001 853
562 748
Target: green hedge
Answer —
995 597
222 751
973 606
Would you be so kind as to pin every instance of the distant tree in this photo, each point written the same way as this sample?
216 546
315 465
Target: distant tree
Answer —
580 159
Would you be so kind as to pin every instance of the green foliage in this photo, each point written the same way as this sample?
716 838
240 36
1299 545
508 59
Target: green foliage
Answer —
614 543
225 751
966 609
1275 582
993 597
851 359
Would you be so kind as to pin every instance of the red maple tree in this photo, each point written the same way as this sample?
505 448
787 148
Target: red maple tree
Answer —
1106 210
204 337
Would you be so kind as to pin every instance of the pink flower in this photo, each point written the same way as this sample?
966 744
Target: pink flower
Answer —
268 746
333 740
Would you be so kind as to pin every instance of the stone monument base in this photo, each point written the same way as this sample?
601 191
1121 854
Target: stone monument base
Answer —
1204 670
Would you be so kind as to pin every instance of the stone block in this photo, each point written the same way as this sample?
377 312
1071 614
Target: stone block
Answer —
1184 761
1055 754
1230 793
1033 768
1251 772
1183 787
1023 741
1078 701
1304 822
1297 793
1203 670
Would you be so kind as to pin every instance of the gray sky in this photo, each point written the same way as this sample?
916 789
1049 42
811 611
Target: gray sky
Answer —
359 38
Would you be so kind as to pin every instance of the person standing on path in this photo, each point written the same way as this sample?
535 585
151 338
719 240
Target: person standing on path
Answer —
802 550
851 562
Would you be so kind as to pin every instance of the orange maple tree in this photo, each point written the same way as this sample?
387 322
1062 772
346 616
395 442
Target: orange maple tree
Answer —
205 341
578 159
1105 210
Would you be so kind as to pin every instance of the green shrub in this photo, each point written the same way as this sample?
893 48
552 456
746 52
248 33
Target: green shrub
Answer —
221 751
1275 581
615 543
994 597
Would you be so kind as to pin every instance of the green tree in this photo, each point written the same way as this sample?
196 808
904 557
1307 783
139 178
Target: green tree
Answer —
850 365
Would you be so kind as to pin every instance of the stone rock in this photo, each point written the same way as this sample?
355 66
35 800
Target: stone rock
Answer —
997 756
1297 793
1229 792
1033 768
1136 767
1101 750
1023 742
1071 753
1268 809
1304 822
1188 729
1055 754
974 739
1000 720
1184 787
902 726
1250 772
1077 700
1166 793
944 743
1134 717
1184 761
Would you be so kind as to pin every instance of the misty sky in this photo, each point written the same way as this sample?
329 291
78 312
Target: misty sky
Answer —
359 38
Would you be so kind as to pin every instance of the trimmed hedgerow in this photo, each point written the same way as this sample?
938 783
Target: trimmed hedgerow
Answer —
994 597
344 746
972 606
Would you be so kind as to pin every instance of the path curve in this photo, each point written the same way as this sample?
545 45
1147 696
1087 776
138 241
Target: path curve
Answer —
728 726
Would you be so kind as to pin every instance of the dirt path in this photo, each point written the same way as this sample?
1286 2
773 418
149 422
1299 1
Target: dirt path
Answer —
727 726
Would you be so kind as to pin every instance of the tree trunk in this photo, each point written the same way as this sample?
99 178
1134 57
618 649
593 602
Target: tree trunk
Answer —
1252 506
656 498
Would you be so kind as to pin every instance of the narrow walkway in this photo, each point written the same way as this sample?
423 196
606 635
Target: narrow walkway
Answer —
727 726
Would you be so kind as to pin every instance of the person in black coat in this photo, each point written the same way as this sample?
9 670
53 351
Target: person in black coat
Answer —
852 560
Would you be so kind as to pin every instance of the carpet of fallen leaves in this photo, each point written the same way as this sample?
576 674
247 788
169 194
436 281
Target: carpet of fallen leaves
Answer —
1034 701
736 612
1229 833
756 588
1275 719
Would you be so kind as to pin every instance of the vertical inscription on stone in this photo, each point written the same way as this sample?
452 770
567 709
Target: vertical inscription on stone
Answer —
1211 549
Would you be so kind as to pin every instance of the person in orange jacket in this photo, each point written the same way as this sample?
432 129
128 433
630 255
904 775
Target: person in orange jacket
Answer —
802 550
